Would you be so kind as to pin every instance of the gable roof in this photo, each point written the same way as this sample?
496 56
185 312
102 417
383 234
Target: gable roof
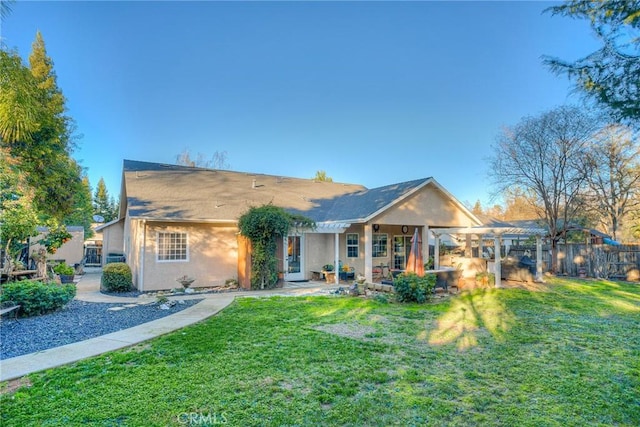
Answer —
181 193
359 206
172 192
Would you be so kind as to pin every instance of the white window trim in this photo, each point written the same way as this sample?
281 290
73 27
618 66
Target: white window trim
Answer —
373 245
357 245
158 247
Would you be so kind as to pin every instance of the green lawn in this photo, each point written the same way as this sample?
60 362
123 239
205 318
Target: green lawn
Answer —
565 354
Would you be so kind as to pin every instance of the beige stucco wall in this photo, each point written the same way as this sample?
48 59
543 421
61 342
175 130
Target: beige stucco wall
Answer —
133 243
112 239
212 256
70 252
358 263
428 206
319 250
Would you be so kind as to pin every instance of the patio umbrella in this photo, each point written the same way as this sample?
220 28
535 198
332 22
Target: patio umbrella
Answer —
415 263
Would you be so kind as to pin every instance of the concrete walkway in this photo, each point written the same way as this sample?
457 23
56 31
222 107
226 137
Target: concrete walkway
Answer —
88 289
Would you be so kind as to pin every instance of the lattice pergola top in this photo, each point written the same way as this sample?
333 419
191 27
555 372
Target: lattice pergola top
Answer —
491 231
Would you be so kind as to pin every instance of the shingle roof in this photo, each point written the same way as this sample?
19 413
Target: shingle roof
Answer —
361 205
173 192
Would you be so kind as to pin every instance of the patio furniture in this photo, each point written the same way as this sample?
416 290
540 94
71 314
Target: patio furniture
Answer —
349 274
445 278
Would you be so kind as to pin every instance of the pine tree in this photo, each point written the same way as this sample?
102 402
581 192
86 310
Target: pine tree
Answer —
39 180
101 202
52 172
83 208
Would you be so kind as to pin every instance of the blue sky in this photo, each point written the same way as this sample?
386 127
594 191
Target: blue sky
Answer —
371 92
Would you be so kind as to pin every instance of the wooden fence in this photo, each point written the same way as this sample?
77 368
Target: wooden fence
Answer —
580 259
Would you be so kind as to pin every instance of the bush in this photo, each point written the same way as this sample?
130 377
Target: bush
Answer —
116 277
64 270
35 297
411 287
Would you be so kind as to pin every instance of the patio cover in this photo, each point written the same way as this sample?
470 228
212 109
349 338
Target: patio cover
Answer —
496 233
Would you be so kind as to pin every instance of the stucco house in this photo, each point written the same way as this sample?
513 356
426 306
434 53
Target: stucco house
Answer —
177 220
70 252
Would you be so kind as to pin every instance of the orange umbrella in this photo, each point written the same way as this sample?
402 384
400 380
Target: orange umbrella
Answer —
415 263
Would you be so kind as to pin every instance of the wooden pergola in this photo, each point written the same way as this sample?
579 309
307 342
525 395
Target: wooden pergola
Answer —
496 233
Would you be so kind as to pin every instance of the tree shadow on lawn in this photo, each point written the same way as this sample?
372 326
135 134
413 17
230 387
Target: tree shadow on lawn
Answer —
471 316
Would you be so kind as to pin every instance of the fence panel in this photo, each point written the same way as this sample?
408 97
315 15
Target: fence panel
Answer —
577 259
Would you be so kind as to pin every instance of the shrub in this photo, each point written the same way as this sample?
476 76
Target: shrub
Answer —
116 277
411 287
64 269
35 297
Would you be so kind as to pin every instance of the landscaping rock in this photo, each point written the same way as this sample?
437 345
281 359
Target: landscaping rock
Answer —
78 321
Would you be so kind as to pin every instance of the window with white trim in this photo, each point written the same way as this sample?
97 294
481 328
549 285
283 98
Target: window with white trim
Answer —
379 245
353 245
172 247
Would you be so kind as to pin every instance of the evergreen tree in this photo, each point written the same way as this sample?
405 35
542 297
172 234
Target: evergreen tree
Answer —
39 179
103 204
83 208
55 176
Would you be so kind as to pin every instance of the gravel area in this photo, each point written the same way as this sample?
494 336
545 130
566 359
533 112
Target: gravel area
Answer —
78 321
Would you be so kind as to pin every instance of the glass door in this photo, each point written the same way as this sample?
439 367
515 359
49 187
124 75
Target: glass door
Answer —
401 249
293 258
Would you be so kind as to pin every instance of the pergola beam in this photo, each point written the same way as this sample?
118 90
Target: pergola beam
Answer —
497 233
491 231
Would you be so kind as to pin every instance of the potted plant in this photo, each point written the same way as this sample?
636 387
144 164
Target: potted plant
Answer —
185 281
65 271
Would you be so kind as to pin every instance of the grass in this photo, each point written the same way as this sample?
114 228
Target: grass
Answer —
565 354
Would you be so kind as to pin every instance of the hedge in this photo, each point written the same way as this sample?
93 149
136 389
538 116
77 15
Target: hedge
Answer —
116 277
35 297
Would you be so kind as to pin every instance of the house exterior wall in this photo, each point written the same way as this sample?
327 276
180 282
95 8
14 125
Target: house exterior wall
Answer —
358 262
112 239
319 250
133 243
70 252
212 256
427 207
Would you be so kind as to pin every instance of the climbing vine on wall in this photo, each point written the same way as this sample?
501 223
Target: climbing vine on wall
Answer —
263 226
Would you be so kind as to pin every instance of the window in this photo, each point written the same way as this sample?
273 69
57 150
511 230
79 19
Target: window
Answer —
172 247
352 245
379 245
